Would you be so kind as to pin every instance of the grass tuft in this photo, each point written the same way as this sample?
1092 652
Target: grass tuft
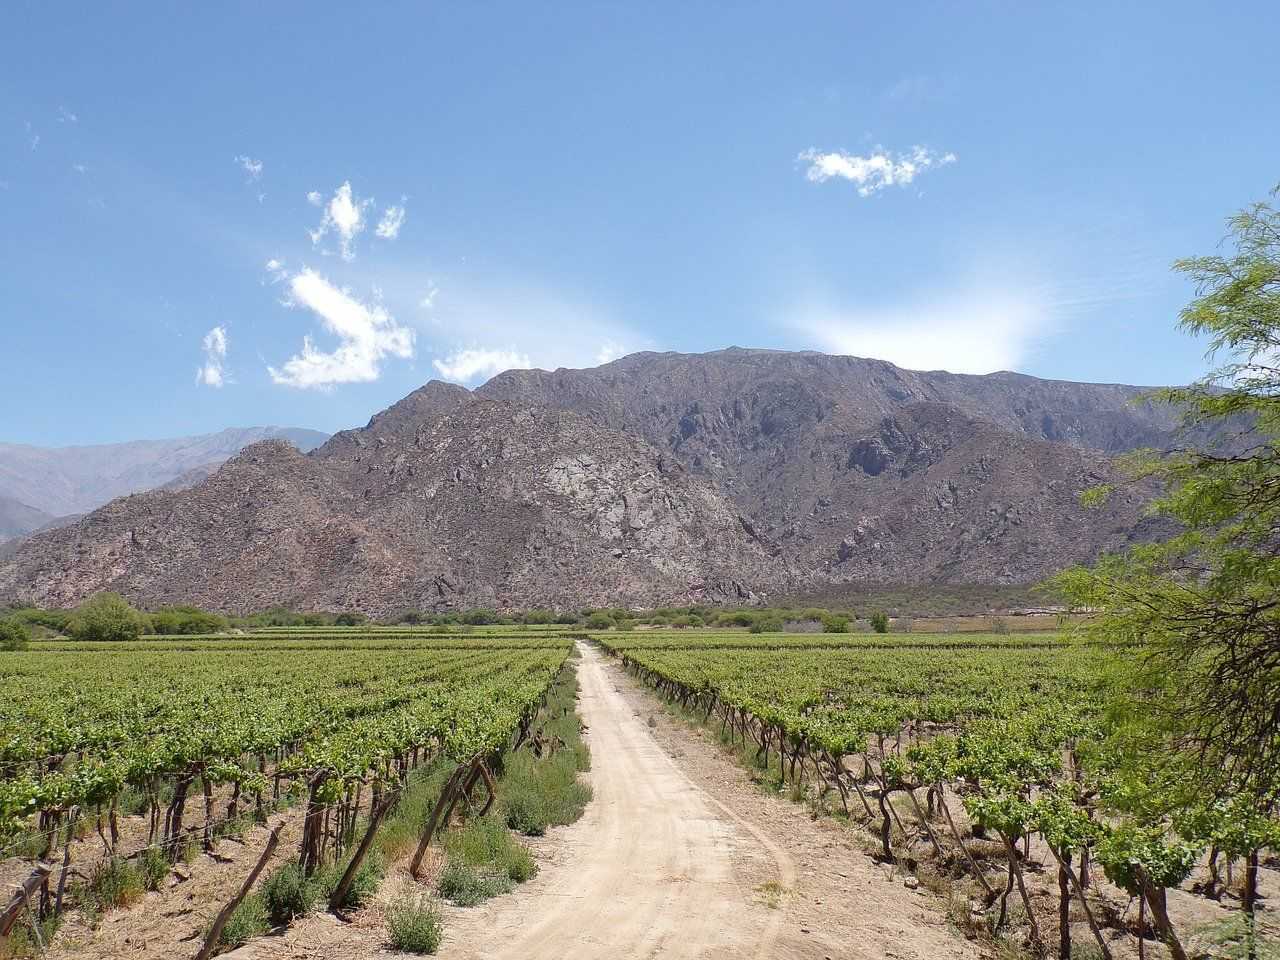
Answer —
415 923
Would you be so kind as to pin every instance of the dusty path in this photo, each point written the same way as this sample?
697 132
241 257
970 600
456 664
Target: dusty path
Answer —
677 856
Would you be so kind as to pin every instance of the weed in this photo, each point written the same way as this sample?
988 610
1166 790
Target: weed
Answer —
363 886
287 893
114 883
771 893
154 868
466 886
415 923
248 921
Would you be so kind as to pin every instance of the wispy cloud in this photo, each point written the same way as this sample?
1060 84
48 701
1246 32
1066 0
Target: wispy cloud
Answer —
391 222
366 334
79 168
66 116
344 215
472 365
250 166
875 171
211 372
976 330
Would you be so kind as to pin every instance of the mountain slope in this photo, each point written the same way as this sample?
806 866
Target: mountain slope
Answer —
69 480
17 519
493 504
659 478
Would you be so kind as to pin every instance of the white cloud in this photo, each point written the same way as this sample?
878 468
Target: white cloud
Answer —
211 372
250 166
35 142
314 198
79 168
469 366
391 222
344 215
428 300
875 171
275 267
66 116
366 334
608 352
973 331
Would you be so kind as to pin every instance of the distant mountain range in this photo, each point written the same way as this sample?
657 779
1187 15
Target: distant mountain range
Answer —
41 485
660 478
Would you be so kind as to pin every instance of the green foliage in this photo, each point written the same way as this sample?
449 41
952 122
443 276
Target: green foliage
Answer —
1130 850
466 886
249 920
288 893
349 618
177 621
363 886
765 625
106 616
880 622
114 883
415 923
14 635
153 868
1197 615
486 844
599 621
478 617
835 623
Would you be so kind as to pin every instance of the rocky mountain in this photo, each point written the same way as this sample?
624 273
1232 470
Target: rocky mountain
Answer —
659 478
59 481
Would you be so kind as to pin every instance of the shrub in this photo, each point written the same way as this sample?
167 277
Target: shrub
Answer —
349 618
415 923
880 622
14 635
287 893
466 886
485 844
106 616
835 623
599 621
695 620
568 617
625 625
479 617
765 625
248 921
114 883
177 621
154 867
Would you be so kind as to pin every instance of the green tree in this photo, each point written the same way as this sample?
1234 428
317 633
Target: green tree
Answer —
106 616
14 635
880 622
1198 615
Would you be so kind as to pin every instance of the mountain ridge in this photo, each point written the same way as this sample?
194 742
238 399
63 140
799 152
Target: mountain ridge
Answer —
729 477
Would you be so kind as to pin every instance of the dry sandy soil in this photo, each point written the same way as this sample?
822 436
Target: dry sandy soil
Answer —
678 856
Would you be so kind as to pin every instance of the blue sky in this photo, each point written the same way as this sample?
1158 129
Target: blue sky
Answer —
222 215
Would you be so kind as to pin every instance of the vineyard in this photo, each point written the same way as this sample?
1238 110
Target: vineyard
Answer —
144 752
978 762
918 737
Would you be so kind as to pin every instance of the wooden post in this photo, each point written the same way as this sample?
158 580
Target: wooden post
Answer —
349 875
211 941
29 886
1065 866
415 867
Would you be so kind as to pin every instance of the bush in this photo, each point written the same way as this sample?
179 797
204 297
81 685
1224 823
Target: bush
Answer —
486 844
835 623
599 621
154 867
178 621
415 923
765 625
480 617
349 619
106 616
880 622
363 886
14 635
114 883
466 886
287 893
248 921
